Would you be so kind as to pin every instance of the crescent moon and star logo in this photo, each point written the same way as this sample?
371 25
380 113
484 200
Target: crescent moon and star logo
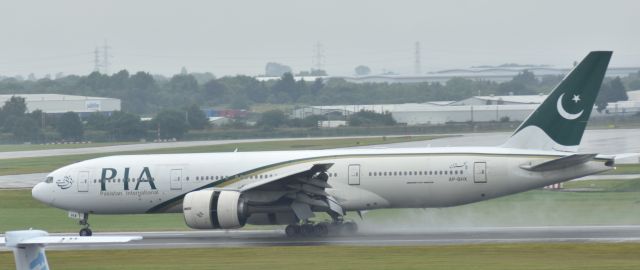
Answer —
564 113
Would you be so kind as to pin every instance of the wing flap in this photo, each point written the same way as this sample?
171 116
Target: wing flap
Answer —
303 172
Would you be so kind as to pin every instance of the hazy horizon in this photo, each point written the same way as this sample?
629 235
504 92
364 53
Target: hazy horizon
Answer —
240 37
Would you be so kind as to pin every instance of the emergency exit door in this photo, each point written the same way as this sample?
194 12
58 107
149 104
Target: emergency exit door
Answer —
176 179
354 174
480 172
83 181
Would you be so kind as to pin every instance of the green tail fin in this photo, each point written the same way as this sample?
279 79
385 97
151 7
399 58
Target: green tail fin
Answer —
559 122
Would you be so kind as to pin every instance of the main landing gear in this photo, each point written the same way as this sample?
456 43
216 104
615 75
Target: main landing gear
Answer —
84 222
321 229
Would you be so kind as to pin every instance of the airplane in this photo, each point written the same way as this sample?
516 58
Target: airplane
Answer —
28 246
229 190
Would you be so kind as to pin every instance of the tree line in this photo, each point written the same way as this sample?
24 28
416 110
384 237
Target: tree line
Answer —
39 127
145 94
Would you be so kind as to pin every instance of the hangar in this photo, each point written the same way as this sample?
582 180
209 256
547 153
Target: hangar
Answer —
473 109
58 104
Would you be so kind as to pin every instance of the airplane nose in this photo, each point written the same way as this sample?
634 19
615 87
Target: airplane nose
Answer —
39 193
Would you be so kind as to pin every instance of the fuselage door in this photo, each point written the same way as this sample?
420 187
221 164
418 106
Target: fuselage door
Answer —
480 172
176 179
354 174
83 181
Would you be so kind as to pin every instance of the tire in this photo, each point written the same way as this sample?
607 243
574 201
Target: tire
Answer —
308 230
321 229
86 232
292 230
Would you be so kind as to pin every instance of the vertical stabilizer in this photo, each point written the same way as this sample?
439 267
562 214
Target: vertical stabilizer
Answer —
559 122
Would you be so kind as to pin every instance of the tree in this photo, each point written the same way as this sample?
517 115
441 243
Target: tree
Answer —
15 106
26 129
196 117
171 123
70 127
526 78
362 70
214 91
125 126
272 119
611 91
13 110
524 83
183 84
317 85
284 90
370 118
97 121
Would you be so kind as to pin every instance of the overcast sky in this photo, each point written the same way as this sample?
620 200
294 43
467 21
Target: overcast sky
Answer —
240 37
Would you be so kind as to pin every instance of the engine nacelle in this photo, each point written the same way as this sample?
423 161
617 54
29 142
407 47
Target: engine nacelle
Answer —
214 209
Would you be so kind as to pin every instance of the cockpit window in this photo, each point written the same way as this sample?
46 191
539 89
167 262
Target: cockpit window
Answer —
49 179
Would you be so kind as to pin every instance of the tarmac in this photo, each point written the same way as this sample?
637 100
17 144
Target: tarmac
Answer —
370 237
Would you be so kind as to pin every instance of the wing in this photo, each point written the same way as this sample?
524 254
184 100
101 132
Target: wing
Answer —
303 190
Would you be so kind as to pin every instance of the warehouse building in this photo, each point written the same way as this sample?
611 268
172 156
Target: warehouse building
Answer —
58 104
473 109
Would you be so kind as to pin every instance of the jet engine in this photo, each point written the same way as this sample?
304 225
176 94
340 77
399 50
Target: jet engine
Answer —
214 209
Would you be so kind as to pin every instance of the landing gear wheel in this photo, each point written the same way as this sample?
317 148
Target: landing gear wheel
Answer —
84 222
307 229
86 232
292 230
321 229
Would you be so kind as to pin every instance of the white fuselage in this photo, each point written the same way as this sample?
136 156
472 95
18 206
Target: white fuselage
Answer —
360 178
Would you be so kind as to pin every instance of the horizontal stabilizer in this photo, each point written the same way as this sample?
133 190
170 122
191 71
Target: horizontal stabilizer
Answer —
560 163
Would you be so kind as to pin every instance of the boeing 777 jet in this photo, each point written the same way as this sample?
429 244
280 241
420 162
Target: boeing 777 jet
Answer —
229 190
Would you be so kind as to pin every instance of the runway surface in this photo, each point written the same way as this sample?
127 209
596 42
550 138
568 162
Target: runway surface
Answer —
371 237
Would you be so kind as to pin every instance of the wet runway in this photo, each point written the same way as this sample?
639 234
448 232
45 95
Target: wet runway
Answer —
372 237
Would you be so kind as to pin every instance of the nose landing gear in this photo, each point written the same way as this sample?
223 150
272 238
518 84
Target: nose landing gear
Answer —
84 222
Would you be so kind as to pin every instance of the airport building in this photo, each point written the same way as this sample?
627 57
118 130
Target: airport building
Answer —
496 74
58 104
474 109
